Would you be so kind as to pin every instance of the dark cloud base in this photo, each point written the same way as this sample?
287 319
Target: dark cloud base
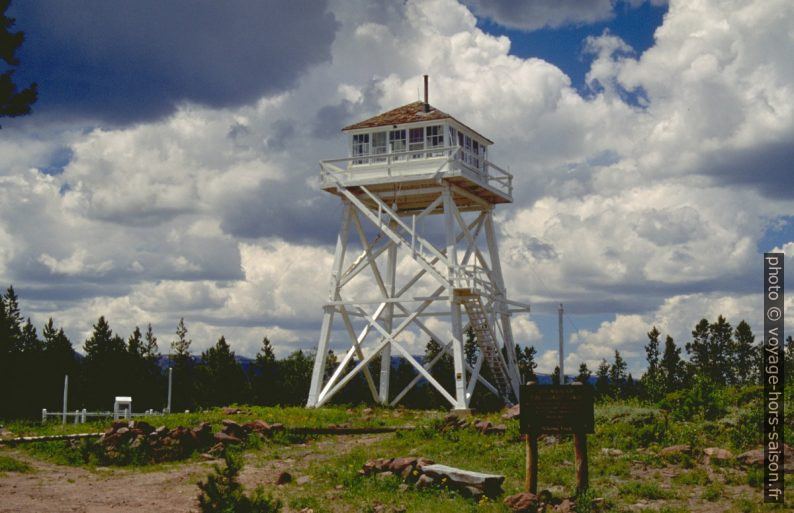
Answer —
126 62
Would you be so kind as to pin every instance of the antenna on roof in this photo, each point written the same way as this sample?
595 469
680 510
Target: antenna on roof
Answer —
427 105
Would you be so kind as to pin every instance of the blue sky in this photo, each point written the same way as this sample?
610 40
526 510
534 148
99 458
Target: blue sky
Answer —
170 166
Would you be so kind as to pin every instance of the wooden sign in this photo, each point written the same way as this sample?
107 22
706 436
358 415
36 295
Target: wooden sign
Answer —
556 409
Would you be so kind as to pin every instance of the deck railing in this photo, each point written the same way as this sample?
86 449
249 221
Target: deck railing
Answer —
406 163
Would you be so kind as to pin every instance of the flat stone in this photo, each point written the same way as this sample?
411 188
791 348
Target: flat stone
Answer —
754 457
676 449
490 484
611 452
302 480
226 439
424 481
513 412
716 453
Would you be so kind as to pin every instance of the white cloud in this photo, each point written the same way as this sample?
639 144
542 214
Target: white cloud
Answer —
621 211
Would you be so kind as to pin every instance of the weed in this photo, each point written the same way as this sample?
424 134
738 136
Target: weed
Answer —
713 492
222 493
9 464
697 476
644 490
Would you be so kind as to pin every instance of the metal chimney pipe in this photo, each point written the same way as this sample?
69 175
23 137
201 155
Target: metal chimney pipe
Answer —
427 105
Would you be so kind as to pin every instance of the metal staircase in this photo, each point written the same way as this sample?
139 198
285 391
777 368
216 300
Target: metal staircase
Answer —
486 341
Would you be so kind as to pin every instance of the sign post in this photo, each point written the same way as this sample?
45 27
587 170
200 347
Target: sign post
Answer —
559 410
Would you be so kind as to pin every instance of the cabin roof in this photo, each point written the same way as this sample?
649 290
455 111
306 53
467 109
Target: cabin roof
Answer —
410 113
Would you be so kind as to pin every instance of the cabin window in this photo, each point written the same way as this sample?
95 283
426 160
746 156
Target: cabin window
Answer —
379 146
360 147
475 154
467 150
416 141
397 143
435 139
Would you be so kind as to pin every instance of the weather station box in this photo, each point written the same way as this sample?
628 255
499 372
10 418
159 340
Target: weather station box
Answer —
556 409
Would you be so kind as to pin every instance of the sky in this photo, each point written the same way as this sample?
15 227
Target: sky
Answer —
170 166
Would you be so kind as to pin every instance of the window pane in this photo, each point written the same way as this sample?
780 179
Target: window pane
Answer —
416 141
397 142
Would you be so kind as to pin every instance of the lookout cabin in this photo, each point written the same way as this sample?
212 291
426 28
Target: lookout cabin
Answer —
404 154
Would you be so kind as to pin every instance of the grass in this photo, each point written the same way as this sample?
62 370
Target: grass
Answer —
9 464
638 430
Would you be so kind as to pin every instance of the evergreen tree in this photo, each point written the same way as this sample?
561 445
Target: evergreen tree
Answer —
584 374
788 359
184 386
743 354
29 371
441 371
711 351
59 360
470 348
147 378
526 363
12 101
106 373
672 367
222 378
295 372
617 374
602 385
555 376
264 376
652 380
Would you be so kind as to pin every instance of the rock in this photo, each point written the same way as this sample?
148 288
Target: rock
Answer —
203 434
366 411
385 475
118 424
226 439
716 454
424 481
513 412
544 497
284 478
403 488
141 425
550 440
217 449
676 450
257 426
276 426
752 458
490 484
566 506
611 452
472 492
122 430
399 464
421 462
231 411
161 431
302 480
234 429
523 502
207 456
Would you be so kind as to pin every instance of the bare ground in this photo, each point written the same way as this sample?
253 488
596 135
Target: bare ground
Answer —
171 489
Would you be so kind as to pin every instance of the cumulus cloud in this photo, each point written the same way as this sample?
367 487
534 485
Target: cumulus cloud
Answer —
543 13
638 212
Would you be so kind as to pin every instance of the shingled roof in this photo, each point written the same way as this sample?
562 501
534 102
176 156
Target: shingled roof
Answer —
411 113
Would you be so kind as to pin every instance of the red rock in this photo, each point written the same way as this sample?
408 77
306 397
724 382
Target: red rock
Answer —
523 502
231 411
754 457
676 450
399 464
226 439
716 454
513 412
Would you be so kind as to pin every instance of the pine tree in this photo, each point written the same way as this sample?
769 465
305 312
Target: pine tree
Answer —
441 371
470 348
584 374
526 363
59 360
295 373
672 368
617 374
184 390
788 359
743 353
555 376
12 101
223 493
264 375
603 387
106 370
222 378
652 380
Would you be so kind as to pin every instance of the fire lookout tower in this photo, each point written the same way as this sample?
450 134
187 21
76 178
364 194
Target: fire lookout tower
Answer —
418 190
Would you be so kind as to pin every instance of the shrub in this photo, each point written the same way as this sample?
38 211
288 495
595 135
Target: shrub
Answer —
702 399
8 464
222 493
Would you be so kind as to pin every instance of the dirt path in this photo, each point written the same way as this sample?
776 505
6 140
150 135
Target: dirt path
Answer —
59 489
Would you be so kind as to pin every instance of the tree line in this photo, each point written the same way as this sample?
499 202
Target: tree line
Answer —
33 366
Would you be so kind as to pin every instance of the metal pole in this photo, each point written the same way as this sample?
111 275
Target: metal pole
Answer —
65 394
170 381
562 353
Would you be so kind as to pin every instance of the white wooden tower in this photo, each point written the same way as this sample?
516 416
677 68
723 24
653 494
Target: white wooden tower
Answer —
418 194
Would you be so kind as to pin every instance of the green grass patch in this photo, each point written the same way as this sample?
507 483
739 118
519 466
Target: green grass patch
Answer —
713 492
9 464
644 490
696 476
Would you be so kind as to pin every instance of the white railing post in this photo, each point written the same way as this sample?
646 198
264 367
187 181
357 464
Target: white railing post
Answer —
65 396
43 415
83 416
